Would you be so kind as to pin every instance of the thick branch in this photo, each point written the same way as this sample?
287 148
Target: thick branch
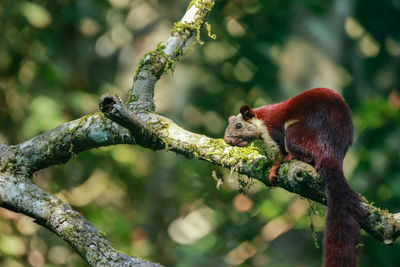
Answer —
63 142
22 195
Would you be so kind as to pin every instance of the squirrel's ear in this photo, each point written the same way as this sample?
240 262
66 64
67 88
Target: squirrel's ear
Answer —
231 119
247 112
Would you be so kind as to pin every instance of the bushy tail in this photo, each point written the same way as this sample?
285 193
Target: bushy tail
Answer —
342 233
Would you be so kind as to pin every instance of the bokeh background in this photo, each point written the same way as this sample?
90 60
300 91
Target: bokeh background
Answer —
58 57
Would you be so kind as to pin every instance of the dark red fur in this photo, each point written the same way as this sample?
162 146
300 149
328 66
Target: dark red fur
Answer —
321 137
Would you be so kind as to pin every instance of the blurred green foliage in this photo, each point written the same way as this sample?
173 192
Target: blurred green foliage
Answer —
58 57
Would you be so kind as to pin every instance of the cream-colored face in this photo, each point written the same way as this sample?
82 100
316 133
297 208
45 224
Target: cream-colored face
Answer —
240 132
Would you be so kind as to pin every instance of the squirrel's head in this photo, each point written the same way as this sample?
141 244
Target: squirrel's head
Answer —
243 128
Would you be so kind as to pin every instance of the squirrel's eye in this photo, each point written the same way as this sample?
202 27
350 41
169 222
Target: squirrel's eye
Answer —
238 126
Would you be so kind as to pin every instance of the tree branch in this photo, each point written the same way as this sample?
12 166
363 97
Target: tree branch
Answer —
60 144
22 195
157 62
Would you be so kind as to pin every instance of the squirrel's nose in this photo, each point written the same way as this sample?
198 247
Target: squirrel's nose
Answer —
228 140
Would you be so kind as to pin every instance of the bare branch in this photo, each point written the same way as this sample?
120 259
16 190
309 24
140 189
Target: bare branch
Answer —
63 142
22 195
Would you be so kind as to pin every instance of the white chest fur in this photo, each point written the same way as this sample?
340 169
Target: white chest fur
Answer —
268 141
